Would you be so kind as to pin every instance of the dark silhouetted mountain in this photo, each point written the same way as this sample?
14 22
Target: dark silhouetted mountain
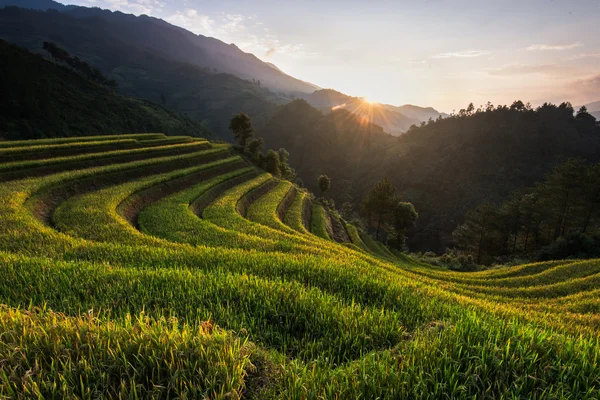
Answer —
178 44
42 5
445 167
126 48
42 99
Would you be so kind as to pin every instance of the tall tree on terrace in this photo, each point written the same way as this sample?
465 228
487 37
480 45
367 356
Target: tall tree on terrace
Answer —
324 184
241 127
255 147
405 217
273 163
378 205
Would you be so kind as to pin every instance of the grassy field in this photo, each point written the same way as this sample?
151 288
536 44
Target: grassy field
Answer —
157 267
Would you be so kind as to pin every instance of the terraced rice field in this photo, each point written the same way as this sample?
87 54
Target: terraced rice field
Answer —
144 266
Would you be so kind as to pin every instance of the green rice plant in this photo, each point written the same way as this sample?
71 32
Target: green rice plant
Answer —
90 160
93 215
55 141
264 210
24 151
293 216
372 245
355 237
318 223
173 220
48 355
305 317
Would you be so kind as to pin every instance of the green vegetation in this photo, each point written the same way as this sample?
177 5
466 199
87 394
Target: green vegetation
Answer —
41 99
192 274
445 168
150 60
558 218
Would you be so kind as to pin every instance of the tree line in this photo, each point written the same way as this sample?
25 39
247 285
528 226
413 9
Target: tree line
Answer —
274 162
557 218
382 212
60 55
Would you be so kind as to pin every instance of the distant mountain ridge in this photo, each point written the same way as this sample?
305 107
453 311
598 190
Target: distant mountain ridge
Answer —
179 44
138 65
594 109
394 120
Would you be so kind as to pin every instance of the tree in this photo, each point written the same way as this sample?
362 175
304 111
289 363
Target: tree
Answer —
285 170
241 127
405 217
347 210
591 195
324 184
379 203
474 232
255 147
272 163
561 189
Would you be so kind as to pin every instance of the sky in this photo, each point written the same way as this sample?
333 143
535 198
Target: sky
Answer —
439 53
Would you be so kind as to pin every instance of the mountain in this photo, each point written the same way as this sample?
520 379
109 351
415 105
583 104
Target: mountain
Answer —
445 167
123 47
178 44
35 4
394 120
418 113
41 99
594 109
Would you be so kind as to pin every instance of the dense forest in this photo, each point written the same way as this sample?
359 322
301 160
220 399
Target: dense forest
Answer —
445 167
43 98
557 218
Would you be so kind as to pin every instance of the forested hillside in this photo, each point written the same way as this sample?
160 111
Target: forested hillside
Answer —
173 42
106 40
444 168
41 98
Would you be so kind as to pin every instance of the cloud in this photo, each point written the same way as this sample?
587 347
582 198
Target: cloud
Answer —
531 69
589 84
584 55
555 47
134 6
462 54
245 31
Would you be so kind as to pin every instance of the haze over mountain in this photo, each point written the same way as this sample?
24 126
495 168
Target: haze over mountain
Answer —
594 109
393 119
177 44
161 62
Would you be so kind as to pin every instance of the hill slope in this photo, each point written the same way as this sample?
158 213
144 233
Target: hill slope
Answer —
176 44
444 168
105 41
205 291
42 99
